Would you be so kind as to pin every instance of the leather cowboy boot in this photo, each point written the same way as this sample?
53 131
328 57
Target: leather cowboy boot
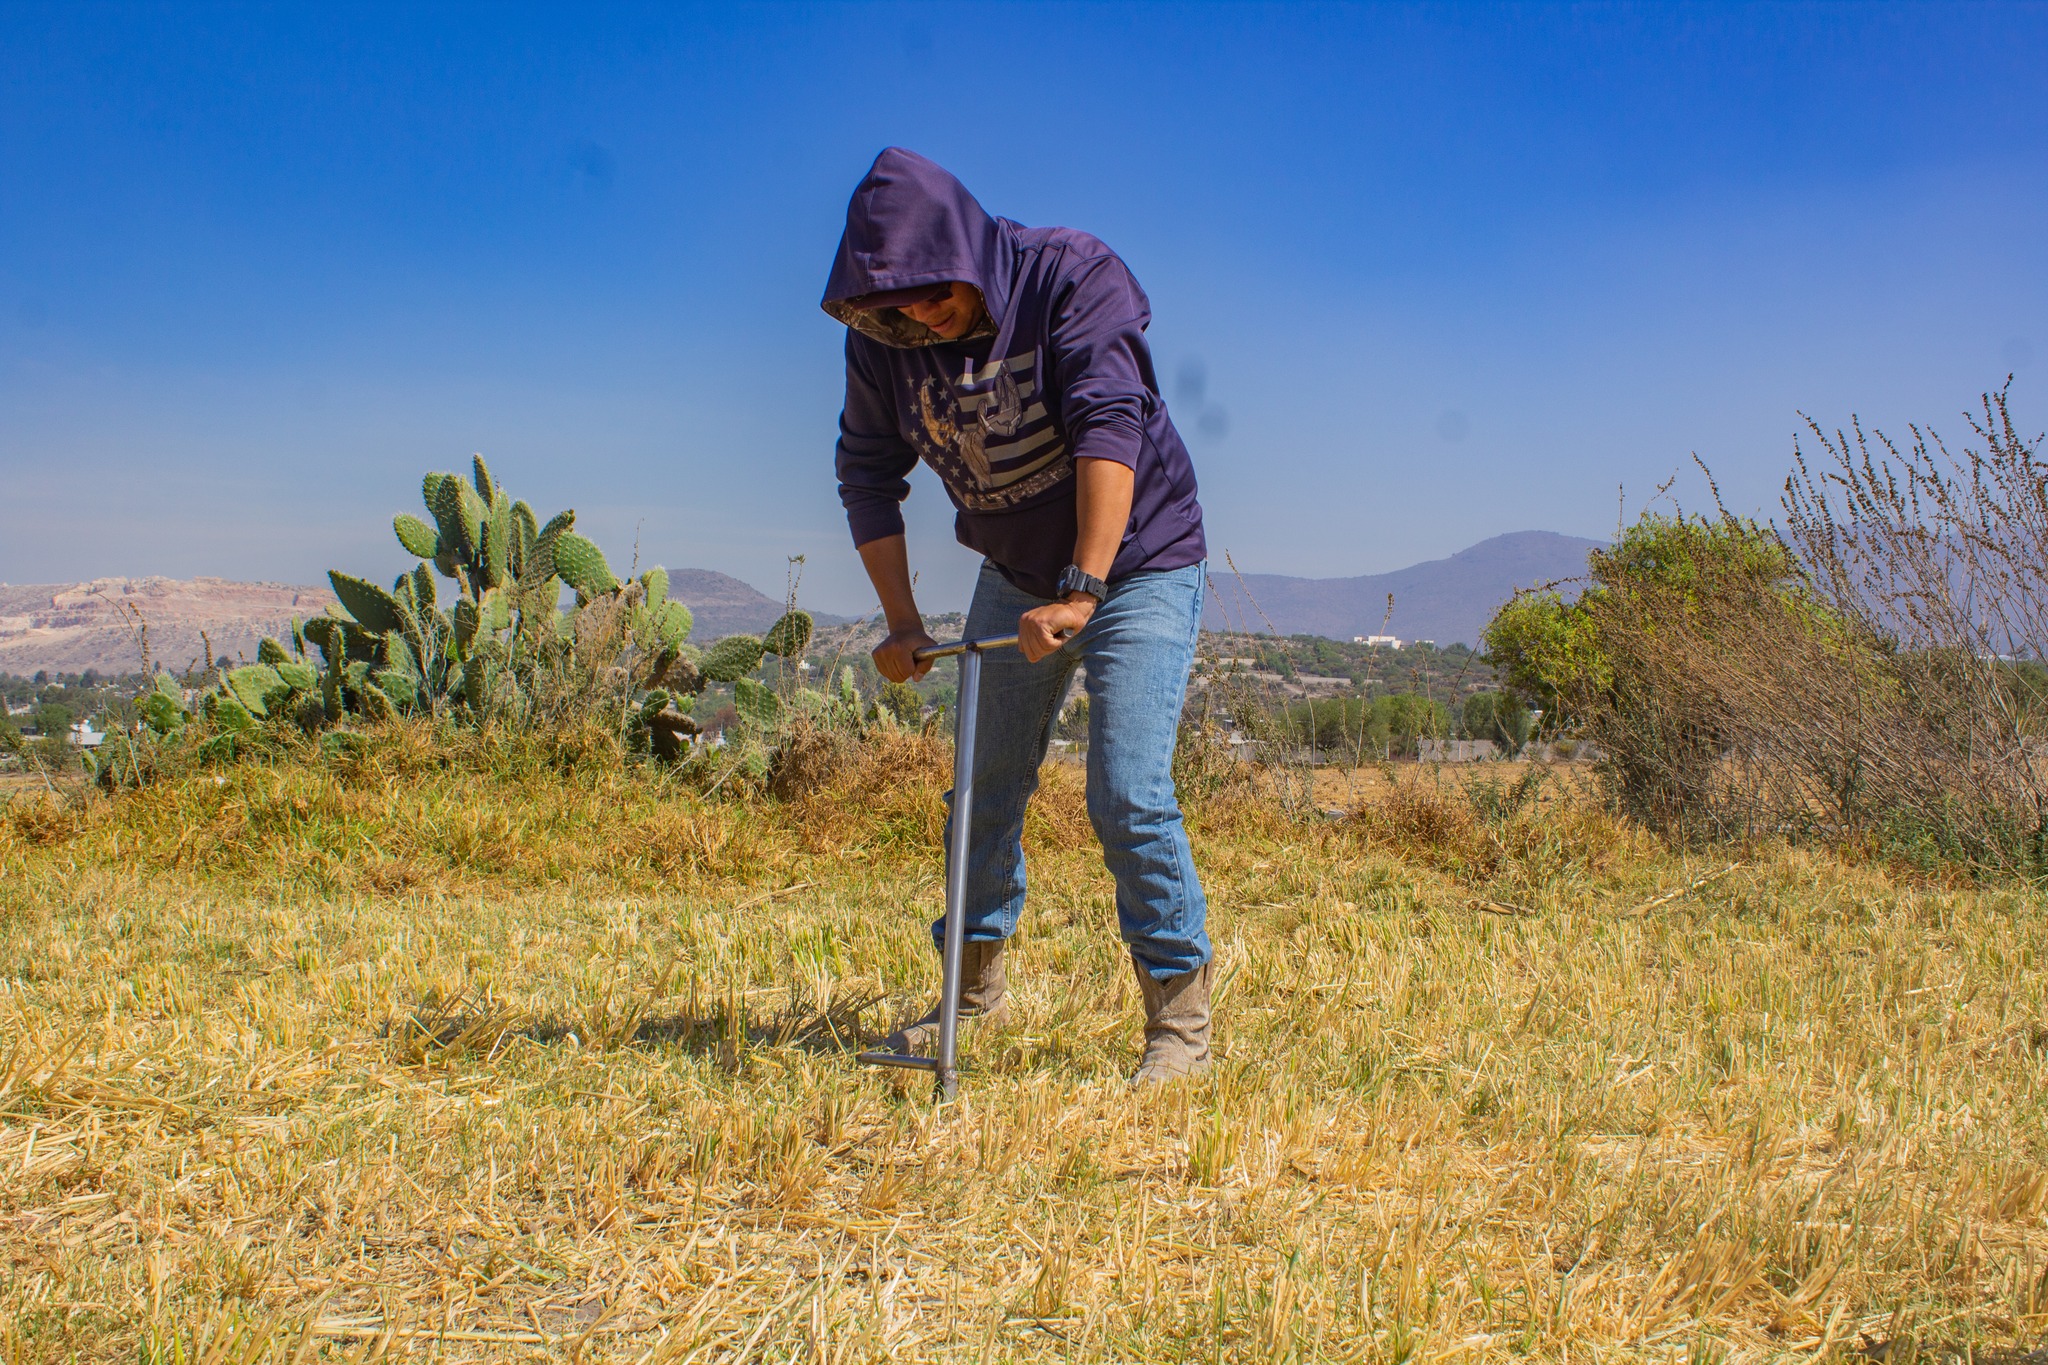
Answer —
984 999
1176 1025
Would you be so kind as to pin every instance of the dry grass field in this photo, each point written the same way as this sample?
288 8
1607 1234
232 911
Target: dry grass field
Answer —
511 1056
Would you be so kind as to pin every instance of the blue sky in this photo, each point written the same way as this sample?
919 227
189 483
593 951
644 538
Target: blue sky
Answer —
1420 275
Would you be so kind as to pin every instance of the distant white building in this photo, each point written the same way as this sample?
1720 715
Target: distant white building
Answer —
83 736
1388 641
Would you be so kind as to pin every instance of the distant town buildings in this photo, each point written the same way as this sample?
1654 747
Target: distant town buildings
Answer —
1388 641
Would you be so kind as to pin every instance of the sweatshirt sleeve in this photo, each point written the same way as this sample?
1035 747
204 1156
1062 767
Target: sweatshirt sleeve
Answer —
1102 367
874 461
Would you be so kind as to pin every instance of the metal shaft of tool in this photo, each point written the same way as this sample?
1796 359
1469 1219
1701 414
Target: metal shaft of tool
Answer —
946 1065
956 868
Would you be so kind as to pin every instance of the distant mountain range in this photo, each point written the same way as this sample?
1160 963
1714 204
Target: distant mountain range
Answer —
1445 600
70 627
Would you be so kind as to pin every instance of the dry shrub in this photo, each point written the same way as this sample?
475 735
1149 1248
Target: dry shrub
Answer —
1417 821
840 783
1490 831
40 819
406 749
817 758
820 769
1730 695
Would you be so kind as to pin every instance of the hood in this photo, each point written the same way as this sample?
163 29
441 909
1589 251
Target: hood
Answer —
911 223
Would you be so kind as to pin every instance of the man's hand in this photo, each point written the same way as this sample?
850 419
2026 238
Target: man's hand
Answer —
888 565
1041 630
894 657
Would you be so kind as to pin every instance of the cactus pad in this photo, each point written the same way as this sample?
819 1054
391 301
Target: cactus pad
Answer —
475 511
163 713
494 559
299 675
467 619
248 685
543 565
662 627
229 714
732 658
498 534
373 608
655 580
376 704
418 538
400 688
790 636
525 535
444 500
497 612
756 703
581 565
323 631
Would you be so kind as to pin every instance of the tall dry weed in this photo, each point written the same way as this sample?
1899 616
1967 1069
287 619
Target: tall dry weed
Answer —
1940 558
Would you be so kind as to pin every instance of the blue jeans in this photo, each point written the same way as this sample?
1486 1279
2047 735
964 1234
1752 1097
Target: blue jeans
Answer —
1138 648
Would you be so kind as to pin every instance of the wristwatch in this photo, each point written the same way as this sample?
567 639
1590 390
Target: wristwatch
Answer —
1074 578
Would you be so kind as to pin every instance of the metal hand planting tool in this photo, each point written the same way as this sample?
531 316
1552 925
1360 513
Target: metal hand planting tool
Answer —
945 1065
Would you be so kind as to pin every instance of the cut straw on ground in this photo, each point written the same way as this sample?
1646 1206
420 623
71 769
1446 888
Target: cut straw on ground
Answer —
440 1061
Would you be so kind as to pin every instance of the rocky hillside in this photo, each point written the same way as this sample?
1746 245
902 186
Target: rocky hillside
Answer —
70 627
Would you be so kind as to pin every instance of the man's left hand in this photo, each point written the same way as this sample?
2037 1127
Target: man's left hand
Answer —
1040 631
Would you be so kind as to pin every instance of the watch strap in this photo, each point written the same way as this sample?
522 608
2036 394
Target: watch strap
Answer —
1074 578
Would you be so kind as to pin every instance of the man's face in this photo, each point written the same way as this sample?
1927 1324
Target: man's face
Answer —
952 316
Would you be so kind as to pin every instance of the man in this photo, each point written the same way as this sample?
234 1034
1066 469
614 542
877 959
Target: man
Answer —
1013 361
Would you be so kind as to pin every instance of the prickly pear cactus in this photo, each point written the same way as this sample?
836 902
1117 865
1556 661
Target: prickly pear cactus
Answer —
475 645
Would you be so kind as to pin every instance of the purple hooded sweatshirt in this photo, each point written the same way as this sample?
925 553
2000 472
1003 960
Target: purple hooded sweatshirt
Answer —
1060 371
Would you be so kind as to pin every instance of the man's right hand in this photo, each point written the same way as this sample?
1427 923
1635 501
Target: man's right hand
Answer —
894 657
